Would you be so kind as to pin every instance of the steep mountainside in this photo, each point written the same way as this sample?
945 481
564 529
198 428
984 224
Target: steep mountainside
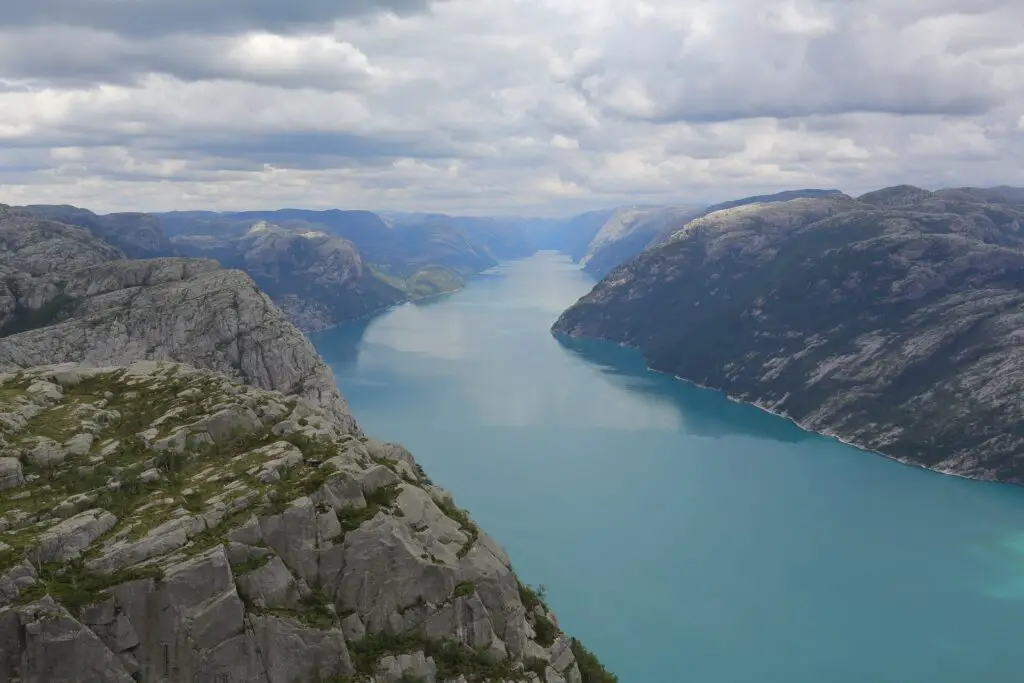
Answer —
164 523
893 321
71 297
161 523
316 279
628 231
574 239
138 235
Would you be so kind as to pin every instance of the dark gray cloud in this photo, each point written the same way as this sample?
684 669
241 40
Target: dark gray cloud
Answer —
161 17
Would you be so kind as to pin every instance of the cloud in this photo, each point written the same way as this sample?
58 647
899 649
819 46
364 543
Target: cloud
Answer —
160 17
479 106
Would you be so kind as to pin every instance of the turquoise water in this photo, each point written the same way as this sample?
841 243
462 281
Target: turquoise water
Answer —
681 536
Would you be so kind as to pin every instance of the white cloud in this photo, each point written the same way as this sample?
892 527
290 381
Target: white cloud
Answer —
477 106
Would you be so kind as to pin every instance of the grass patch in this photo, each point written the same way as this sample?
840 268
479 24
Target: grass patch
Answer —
251 565
537 666
452 659
75 587
461 517
533 598
591 670
316 612
546 630
464 589
383 498
296 482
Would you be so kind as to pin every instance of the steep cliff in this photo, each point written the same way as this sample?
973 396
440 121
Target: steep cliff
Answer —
317 280
72 298
893 321
162 523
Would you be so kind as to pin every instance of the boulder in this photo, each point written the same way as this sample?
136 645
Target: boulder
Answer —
11 473
66 540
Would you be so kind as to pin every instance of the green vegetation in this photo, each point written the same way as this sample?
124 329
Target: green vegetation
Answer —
316 611
464 589
75 587
433 280
251 565
383 498
452 659
537 666
531 598
591 670
546 631
462 518
24 319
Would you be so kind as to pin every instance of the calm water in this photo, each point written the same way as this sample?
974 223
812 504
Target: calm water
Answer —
681 536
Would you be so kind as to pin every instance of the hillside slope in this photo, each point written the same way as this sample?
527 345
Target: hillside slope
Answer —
893 321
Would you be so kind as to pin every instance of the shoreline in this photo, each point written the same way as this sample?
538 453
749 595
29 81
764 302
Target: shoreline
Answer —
776 413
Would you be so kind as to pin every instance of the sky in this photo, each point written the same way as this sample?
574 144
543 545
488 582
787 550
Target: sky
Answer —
528 107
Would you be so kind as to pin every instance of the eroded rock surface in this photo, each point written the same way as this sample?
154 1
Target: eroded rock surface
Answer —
221 532
70 297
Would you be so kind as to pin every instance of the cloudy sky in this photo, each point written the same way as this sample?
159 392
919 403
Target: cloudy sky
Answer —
542 107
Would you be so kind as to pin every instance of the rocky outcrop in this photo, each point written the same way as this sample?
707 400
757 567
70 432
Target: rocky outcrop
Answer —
138 235
229 533
892 321
72 298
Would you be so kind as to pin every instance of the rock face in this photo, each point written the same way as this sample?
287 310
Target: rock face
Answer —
317 280
72 298
893 321
138 235
224 532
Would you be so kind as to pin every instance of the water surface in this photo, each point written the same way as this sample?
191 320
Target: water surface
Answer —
681 536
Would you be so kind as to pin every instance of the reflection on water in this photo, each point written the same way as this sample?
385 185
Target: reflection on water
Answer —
683 536
704 413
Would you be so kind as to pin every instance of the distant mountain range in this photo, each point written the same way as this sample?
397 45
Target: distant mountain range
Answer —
321 267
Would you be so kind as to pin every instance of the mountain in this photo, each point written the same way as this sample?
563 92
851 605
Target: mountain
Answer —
138 235
575 237
601 240
630 230
72 298
318 280
785 196
185 497
503 238
891 321
324 267
403 249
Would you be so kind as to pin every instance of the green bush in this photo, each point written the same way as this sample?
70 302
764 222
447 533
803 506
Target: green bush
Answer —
591 670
